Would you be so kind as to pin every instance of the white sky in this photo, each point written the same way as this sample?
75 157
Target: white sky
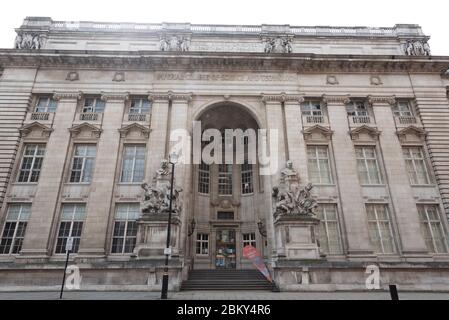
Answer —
432 15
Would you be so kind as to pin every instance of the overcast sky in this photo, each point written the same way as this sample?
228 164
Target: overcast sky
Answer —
432 15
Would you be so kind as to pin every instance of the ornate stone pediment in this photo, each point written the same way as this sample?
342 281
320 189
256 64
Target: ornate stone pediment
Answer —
134 130
365 133
35 130
85 130
411 134
317 132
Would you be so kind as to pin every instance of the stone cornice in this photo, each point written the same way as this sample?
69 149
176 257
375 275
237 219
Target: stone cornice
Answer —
336 99
213 61
67 95
114 96
391 100
282 97
170 96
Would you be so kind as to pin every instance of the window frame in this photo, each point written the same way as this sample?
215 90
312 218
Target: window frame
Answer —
251 239
72 221
34 156
412 159
378 221
379 172
134 160
125 236
317 159
308 108
428 222
204 178
84 157
51 103
94 108
225 180
325 221
200 242
131 109
17 222
397 112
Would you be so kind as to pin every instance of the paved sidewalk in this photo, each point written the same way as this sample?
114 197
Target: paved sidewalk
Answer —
220 295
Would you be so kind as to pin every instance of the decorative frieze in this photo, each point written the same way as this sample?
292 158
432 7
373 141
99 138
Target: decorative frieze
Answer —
281 44
170 96
67 95
26 40
332 80
174 43
282 97
109 96
72 76
336 99
417 48
391 100
376 81
119 77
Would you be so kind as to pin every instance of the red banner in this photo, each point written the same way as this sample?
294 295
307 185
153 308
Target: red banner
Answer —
252 254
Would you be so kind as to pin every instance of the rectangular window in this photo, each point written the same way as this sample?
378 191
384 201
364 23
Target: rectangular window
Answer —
318 164
311 108
224 179
367 165
140 106
416 165
15 227
330 241
402 109
225 215
247 178
71 226
133 163
380 231
357 109
432 228
203 178
249 239
125 227
202 244
45 104
30 167
93 105
83 163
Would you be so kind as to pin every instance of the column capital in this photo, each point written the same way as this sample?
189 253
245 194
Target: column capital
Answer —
282 97
113 96
67 95
336 99
391 100
170 96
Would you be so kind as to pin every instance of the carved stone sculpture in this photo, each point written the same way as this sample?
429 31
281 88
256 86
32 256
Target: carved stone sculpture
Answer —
417 48
278 45
164 169
174 43
28 41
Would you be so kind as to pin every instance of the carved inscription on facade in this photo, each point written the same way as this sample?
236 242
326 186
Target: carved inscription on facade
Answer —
199 76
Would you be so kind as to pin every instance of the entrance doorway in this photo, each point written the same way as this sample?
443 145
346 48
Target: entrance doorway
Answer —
225 257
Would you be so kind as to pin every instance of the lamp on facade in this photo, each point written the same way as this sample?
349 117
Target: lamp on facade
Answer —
173 159
191 227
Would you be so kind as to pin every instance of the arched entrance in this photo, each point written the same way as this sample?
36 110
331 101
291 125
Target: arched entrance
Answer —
228 199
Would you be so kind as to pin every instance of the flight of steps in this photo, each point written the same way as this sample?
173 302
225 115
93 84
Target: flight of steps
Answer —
226 279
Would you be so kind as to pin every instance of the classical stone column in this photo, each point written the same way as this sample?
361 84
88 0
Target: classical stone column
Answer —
407 216
296 145
179 116
93 238
353 208
158 134
275 122
36 242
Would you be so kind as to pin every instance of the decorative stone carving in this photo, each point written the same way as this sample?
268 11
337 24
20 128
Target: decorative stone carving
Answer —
171 96
391 100
318 133
332 80
29 41
283 97
72 76
364 133
67 95
417 48
174 43
119 77
144 131
85 127
376 81
336 99
109 96
156 198
289 199
278 45
44 130
411 134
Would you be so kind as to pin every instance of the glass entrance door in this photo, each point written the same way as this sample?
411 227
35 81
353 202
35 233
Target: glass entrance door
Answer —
225 249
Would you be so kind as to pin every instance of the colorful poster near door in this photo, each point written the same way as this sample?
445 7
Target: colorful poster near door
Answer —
252 254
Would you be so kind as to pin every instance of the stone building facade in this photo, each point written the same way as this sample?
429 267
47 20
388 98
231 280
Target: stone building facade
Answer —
86 112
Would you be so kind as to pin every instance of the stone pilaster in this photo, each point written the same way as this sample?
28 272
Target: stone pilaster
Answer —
354 213
403 203
158 136
296 144
93 239
43 214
